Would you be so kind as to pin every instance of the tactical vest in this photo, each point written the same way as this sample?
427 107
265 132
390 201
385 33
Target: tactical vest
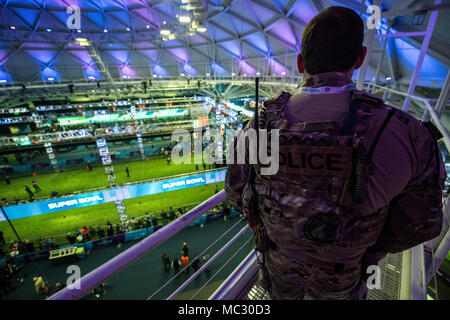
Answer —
324 167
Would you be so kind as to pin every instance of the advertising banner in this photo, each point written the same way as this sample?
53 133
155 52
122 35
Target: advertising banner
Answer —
111 195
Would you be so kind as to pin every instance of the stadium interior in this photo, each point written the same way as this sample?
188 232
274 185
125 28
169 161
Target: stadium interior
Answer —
91 94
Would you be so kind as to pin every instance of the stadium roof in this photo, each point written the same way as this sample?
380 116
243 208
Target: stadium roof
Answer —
137 39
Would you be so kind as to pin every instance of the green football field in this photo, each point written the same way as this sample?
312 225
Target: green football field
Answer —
81 179
59 223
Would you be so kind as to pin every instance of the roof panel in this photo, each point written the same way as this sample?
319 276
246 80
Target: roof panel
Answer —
304 11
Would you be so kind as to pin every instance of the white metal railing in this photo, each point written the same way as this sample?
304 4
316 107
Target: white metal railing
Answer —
240 281
428 108
93 279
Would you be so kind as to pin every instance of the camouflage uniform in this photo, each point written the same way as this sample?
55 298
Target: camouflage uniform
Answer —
400 208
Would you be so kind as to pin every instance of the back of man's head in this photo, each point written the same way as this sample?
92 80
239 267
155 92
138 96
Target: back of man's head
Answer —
332 41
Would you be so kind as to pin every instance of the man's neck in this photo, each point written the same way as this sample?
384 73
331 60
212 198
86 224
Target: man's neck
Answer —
333 79
348 73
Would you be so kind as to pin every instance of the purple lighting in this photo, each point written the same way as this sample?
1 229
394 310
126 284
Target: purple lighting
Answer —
160 71
232 47
151 54
82 55
304 11
283 31
189 70
277 68
218 70
179 53
43 56
120 56
4 76
92 73
49 74
246 68
3 55
258 41
127 72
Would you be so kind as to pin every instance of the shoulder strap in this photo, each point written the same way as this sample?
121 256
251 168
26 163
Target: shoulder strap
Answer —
348 123
380 131
356 99
273 108
367 97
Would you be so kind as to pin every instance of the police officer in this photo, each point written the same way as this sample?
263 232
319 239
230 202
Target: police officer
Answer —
357 179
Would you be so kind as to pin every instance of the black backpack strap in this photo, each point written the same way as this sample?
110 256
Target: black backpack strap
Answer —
351 115
380 131
273 109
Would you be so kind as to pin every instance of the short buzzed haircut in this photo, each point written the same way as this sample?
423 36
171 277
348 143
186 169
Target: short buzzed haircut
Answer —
332 41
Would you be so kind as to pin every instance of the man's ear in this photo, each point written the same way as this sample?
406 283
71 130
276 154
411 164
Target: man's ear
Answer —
300 64
361 58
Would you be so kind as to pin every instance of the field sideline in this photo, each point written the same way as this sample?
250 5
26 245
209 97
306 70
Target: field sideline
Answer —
80 179
59 223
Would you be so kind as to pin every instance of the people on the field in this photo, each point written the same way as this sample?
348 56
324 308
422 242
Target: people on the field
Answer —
28 190
166 261
185 262
176 265
35 186
41 286
154 221
71 238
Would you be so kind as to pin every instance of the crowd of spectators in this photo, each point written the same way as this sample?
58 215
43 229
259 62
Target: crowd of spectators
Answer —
89 233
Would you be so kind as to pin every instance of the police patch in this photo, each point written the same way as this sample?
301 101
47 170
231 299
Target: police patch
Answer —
330 161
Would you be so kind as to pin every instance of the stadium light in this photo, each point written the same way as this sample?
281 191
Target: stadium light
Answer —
12 27
148 27
185 19
49 30
105 30
128 29
82 42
